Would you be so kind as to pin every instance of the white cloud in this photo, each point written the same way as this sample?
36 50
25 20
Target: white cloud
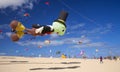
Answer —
14 4
76 26
56 42
53 36
2 53
27 43
1 37
94 44
73 42
29 5
82 29
8 34
106 29
79 46
38 43
4 26
98 30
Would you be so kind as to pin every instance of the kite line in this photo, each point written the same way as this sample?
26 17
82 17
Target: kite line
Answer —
77 12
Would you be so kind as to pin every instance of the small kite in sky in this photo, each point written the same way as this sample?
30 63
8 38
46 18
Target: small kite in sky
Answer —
96 50
81 52
80 42
50 51
26 49
26 14
0 31
39 46
58 52
47 3
47 41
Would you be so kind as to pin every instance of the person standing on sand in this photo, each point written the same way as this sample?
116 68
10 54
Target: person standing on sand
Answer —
101 59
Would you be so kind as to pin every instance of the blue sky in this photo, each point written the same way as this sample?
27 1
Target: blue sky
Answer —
94 23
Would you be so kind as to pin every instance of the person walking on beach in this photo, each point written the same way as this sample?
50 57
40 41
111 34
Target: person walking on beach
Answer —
101 59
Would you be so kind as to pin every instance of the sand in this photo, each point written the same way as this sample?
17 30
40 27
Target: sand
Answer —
30 64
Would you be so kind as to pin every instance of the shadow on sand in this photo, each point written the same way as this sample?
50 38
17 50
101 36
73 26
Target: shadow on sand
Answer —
27 62
56 68
8 58
70 62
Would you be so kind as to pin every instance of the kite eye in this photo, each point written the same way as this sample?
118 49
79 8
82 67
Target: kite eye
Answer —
63 30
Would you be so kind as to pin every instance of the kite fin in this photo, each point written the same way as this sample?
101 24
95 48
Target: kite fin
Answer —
20 34
20 27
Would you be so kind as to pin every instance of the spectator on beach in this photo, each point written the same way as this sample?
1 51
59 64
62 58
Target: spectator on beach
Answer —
101 59
115 58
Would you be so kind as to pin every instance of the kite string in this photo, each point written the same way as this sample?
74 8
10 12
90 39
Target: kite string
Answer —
77 12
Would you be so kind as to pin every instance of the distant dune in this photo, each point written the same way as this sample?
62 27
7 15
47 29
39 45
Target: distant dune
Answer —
30 64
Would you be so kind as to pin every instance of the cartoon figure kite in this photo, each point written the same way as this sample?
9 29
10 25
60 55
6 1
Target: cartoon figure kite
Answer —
58 26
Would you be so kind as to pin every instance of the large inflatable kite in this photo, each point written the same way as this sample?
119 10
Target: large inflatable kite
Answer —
58 26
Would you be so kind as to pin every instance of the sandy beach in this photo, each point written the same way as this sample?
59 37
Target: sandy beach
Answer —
32 64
